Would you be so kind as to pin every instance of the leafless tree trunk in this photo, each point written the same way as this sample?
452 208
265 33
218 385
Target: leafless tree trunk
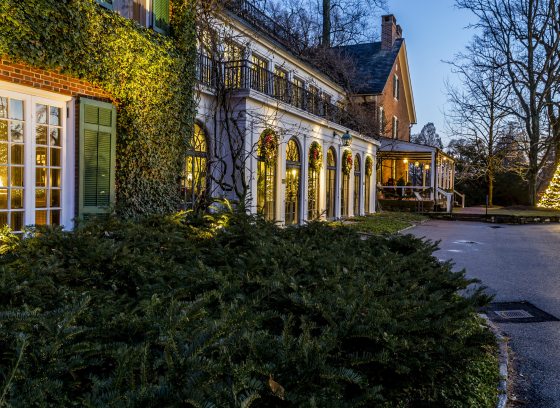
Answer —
524 37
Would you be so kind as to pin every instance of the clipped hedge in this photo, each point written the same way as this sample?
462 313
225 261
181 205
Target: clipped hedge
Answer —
188 312
150 77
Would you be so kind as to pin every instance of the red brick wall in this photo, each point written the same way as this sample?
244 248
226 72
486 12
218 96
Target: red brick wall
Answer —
48 80
393 107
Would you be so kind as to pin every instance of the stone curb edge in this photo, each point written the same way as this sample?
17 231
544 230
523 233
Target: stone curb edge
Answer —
413 225
502 360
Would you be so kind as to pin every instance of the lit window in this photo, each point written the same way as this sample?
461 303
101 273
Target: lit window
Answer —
396 86
395 127
195 180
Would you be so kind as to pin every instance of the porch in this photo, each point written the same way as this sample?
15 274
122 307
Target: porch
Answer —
415 177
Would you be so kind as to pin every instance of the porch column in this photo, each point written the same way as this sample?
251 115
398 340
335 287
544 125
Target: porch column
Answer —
251 167
373 188
433 177
323 180
363 176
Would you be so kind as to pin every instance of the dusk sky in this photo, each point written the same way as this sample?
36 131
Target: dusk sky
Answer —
434 30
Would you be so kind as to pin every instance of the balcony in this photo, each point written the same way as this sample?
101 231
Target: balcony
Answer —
244 75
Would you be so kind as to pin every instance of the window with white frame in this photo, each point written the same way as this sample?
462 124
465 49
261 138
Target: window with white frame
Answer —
396 86
32 134
395 127
381 120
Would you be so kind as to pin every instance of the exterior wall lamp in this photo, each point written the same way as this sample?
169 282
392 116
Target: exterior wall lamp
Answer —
346 138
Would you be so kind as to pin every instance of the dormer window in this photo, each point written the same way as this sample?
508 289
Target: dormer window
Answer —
396 87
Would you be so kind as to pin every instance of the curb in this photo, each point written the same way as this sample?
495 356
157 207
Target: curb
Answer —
502 360
413 225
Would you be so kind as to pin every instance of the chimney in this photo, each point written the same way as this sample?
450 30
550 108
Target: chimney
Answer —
390 31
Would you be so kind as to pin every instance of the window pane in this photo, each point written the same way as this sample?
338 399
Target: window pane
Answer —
17 154
3 176
41 217
41 177
41 113
55 157
17 177
16 198
3 216
3 107
55 116
55 178
3 198
3 130
41 198
16 132
41 135
17 220
55 198
55 217
54 137
16 109
41 156
3 153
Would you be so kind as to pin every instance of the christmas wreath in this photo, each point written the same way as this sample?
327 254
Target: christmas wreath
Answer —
347 162
269 147
369 166
315 157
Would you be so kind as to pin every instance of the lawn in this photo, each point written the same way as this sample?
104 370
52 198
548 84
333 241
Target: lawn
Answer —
384 222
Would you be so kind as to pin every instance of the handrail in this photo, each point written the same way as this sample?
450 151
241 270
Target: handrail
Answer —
448 198
462 198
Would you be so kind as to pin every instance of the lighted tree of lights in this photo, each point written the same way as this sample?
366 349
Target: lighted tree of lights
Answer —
551 197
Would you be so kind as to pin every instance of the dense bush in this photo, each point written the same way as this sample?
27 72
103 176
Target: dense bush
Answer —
180 311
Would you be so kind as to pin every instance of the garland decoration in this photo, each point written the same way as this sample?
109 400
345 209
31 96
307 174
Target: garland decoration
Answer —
551 198
369 166
347 162
269 147
315 156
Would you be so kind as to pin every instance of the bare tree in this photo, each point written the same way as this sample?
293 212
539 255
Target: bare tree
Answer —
479 108
428 136
524 36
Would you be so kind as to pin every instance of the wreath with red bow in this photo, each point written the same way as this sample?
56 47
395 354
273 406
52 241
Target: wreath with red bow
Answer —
269 147
369 166
315 156
347 162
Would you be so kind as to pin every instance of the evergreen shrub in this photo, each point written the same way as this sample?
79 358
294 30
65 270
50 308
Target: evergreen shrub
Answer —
232 311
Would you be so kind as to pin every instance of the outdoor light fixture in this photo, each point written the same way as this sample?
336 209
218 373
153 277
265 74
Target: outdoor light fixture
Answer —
416 164
346 138
405 161
426 167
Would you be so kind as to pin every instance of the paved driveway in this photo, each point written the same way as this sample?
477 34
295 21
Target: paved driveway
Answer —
515 262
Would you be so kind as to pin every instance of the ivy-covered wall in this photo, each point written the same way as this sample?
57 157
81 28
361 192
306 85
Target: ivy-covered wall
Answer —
150 78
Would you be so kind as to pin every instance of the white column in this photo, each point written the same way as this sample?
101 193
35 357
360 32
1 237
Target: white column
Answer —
304 190
281 181
363 183
351 183
251 167
373 187
337 196
433 176
323 179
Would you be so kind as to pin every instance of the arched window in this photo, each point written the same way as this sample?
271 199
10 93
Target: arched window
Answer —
293 174
315 164
267 153
357 184
196 164
331 182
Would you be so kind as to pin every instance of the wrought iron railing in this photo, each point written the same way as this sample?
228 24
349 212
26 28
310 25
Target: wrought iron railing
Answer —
258 18
245 75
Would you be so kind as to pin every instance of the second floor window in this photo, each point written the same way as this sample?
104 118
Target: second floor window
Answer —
160 15
298 92
396 87
381 120
395 128
281 84
313 103
259 73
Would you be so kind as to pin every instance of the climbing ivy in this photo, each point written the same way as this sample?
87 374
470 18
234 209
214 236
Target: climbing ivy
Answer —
149 76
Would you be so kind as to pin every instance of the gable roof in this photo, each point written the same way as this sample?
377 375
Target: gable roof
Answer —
372 65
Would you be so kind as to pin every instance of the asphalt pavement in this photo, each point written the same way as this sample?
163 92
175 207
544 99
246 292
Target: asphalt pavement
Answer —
515 263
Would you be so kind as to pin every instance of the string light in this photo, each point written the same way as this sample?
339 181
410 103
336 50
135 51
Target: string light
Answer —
551 197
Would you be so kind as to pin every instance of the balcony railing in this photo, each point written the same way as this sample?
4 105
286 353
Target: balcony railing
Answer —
258 18
244 75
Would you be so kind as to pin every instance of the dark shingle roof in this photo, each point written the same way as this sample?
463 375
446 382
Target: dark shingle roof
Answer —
372 65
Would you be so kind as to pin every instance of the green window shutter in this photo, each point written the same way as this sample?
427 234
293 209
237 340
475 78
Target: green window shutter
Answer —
160 12
97 157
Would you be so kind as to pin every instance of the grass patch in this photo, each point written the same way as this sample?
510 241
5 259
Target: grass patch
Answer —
383 222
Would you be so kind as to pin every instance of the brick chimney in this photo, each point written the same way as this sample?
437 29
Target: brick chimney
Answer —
390 31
